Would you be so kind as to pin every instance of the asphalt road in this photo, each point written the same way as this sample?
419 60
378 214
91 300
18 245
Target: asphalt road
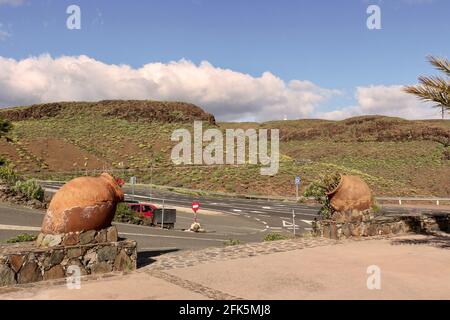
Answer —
268 214
238 219
275 216
219 228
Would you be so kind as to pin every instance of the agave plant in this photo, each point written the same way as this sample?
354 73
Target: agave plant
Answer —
434 88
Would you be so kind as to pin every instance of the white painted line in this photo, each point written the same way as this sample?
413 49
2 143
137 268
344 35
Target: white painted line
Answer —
266 207
257 219
264 222
263 215
161 236
237 210
255 211
18 228
307 221
267 227
276 228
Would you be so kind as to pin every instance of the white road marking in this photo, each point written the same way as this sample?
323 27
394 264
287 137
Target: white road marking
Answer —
266 207
264 222
263 215
237 210
18 228
254 211
307 221
276 228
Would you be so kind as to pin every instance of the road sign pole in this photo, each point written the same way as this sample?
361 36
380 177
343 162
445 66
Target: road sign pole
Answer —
293 220
162 217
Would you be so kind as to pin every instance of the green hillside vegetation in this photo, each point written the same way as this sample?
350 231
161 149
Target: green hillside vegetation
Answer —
62 140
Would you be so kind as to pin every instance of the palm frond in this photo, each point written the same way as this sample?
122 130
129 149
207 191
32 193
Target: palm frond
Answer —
442 64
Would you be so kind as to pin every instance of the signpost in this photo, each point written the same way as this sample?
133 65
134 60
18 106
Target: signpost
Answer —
298 180
133 183
293 220
195 208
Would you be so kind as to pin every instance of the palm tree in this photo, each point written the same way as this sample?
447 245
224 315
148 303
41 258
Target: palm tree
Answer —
435 88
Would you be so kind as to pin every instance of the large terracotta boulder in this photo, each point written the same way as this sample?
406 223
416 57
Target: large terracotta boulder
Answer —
82 204
352 193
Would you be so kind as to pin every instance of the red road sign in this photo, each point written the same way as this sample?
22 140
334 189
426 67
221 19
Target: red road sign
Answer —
195 206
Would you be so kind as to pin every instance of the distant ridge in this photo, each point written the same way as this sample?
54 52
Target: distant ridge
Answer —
131 110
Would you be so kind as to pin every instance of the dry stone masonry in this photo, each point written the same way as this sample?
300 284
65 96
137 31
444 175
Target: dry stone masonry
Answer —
94 252
357 224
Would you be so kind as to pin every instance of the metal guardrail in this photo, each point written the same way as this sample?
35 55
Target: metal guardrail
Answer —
403 199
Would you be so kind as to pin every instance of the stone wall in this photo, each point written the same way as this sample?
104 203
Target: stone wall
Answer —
32 262
354 224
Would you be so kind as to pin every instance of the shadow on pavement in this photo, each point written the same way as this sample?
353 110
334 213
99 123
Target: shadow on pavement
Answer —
438 241
144 258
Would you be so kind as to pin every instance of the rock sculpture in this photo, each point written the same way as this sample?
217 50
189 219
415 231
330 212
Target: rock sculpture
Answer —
82 204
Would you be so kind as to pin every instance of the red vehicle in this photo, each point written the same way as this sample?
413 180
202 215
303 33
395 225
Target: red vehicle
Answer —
142 209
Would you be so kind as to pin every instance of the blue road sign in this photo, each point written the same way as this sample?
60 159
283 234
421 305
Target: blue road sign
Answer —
297 181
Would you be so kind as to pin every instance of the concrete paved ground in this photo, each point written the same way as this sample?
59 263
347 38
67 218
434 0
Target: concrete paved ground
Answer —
412 267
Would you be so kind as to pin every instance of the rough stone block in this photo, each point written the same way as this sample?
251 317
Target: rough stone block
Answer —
101 267
16 262
112 234
7 276
107 253
71 239
74 253
55 272
30 272
123 262
87 237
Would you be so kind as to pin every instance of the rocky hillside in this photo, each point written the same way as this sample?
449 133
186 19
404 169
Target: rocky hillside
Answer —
61 140
131 110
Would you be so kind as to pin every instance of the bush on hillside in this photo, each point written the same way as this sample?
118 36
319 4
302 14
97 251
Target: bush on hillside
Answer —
8 175
30 188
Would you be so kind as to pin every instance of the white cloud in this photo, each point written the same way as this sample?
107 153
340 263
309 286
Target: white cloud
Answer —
14 3
385 100
228 94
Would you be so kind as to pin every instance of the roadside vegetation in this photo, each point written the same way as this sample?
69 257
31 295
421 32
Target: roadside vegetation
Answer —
275 237
125 215
23 237
232 242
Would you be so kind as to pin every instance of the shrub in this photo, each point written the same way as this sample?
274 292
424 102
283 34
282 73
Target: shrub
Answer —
232 242
5 127
275 237
30 188
8 175
331 181
125 215
23 237
318 189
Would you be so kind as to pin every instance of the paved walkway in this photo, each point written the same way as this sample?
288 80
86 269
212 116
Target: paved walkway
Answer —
412 267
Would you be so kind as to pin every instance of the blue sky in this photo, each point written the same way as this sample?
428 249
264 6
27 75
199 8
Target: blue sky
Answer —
325 42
